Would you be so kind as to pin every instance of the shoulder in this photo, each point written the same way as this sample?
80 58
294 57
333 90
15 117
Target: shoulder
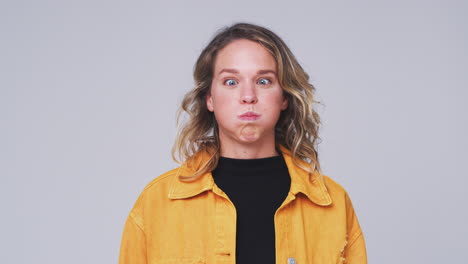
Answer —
342 201
332 185
156 191
337 192
162 182
354 248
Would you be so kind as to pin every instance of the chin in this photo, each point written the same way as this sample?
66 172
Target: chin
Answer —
249 133
249 139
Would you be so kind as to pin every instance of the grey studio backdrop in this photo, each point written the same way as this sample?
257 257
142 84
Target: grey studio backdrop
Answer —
89 91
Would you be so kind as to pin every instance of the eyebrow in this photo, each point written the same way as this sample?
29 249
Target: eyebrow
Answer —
236 71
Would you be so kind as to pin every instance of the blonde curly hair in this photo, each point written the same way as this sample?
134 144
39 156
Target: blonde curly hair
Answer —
297 127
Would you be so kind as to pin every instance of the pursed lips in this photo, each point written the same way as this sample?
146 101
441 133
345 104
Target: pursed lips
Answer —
249 116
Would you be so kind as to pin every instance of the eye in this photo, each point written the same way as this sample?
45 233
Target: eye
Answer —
230 82
264 81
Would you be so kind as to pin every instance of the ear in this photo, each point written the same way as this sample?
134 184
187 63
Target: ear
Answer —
209 102
284 104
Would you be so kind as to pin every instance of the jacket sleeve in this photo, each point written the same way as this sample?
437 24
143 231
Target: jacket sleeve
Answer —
133 245
355 250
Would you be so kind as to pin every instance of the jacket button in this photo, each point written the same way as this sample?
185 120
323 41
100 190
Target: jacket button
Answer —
291 261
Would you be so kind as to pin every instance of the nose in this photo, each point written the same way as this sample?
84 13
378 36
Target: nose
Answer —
248 95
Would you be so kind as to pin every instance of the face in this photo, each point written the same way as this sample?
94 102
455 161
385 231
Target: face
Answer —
245 95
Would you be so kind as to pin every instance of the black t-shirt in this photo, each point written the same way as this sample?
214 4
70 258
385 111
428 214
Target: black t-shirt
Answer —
257 187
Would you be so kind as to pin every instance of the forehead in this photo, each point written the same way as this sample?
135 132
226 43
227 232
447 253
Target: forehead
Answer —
244 55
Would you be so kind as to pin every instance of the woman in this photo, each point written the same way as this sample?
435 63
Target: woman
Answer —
249 189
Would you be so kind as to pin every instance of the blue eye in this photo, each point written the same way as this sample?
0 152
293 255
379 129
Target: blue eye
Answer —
230 82
264 81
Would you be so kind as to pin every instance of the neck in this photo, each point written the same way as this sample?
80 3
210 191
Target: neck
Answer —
256 150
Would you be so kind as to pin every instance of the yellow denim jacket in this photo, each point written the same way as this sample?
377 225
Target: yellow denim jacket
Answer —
175 222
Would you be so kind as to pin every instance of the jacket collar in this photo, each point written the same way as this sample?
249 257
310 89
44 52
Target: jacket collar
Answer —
310 184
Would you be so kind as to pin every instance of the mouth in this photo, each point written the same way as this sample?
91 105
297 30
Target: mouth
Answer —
249 116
